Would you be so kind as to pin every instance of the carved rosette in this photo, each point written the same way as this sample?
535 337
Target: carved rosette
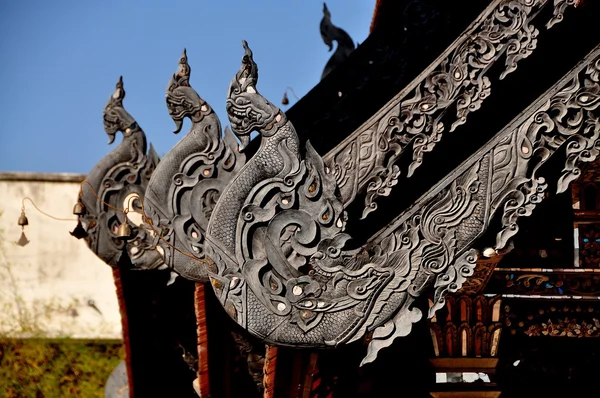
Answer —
117 182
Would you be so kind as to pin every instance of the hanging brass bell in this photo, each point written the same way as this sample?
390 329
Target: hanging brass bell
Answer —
22 240
79 209
285 100
23 221
124 231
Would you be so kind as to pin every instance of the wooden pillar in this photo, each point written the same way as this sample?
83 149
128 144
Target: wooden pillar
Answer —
466 336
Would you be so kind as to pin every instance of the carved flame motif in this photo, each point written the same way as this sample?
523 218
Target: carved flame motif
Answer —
187 183
119 180
277 237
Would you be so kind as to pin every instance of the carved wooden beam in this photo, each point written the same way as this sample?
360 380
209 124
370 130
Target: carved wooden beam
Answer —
368 158
545 281
553 318
276 234
502 176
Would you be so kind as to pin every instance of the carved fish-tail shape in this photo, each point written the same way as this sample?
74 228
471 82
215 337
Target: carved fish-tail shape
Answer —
331 33
186 185
118 181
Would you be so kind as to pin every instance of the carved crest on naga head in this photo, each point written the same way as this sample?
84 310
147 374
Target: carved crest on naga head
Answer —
249 111
111 195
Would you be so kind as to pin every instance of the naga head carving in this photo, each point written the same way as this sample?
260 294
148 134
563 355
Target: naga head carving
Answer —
247 109
182 100
116 185
116 118
331 33
326 27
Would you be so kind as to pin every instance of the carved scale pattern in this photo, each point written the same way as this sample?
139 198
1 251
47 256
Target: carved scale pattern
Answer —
368 160
119 179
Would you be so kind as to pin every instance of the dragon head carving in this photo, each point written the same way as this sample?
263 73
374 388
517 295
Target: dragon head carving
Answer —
182 100
118 181
247 110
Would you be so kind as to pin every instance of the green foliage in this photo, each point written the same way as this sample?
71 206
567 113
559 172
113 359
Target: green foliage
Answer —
56 368
33 362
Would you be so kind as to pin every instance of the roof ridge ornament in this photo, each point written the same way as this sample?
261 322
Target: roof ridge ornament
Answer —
187 183
331 33
276 235
113 192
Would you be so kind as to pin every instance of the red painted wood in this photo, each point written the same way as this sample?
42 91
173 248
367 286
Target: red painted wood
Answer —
125 327
203 378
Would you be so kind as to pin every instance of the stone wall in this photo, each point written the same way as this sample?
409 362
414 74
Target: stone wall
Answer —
54 286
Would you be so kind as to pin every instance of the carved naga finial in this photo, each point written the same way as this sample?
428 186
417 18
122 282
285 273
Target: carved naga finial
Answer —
331 33
281 268
248 110
186 185
182 100
116 185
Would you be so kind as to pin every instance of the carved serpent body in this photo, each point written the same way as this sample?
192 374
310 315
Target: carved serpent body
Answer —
195 171
118 181
276 237
286 277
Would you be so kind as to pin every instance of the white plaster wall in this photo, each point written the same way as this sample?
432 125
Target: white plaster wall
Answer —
46 285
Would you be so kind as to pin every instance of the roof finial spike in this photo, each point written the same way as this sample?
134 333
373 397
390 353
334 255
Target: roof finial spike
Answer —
183 59
116 117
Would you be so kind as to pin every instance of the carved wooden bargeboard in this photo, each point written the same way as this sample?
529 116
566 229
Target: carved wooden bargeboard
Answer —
268 228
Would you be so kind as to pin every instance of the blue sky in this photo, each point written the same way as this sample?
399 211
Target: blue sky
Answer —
62 58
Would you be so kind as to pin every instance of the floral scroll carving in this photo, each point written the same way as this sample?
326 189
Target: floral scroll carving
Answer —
575 319
504 30
276 236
